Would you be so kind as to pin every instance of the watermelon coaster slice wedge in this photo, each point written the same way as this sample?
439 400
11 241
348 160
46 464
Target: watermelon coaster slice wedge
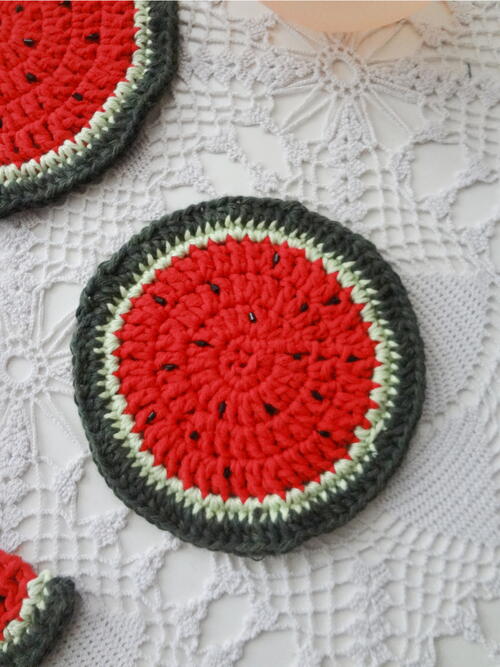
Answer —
33 611
249 374
76 80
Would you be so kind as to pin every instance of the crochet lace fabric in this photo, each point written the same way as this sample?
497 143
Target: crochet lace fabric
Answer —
393 133
77 78
33 610
249 374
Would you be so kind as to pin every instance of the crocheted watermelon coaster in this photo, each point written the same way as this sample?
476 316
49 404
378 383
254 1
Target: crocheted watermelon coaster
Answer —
33 611
248 373
77 79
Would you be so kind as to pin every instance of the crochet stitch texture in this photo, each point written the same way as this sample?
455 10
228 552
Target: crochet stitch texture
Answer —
78 79
248 373
33 611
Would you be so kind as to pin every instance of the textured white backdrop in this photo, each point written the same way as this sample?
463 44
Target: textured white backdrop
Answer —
395 133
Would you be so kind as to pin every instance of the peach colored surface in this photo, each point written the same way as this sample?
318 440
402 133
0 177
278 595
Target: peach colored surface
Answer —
344 16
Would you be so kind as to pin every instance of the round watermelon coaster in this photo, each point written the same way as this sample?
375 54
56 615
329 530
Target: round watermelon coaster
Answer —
249 373
76 80
33 611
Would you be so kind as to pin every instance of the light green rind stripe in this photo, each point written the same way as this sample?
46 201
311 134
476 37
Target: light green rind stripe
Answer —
273 505
14 630
101 120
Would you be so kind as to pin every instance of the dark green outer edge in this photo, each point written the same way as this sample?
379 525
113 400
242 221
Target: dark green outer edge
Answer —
34 191
46 625
240 537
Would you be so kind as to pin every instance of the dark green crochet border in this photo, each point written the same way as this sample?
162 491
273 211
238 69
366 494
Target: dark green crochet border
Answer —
241 537
34 191
45 626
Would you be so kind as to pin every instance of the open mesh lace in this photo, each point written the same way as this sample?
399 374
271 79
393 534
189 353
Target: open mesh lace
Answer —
396 134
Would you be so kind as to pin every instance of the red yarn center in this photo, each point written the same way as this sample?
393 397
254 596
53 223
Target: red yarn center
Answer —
246 368
59 63
14 577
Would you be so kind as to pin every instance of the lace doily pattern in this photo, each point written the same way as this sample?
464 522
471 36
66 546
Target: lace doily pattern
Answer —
406 154
79 77
249 374
33 611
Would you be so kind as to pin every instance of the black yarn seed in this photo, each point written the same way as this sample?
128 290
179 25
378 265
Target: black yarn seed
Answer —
160 300
222 408
270 540
227 472
19 8
202 343
315 394
170 367
1 122
194 435
215 288
270 409
351 357
252 317
304 307
332 301
320 357
31 77
276 258
324 434
93 37
29 42
297 355
65 3
150 417
78 96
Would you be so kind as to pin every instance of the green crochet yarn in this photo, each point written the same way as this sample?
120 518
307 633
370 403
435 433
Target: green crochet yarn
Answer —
129 421
42 179
45 626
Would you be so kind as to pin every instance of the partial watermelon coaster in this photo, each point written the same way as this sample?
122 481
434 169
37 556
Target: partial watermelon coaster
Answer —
33 611
77 80
249 373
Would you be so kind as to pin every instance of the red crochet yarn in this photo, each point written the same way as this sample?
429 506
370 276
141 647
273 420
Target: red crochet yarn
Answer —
246 368
59 62
14 577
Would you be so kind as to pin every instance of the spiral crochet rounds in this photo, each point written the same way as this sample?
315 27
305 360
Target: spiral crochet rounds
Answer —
248 373
33 610
77 79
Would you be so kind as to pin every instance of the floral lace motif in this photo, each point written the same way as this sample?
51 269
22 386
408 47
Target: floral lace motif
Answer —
404 150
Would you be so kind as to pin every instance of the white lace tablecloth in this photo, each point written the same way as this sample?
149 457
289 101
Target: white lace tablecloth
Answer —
395 133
